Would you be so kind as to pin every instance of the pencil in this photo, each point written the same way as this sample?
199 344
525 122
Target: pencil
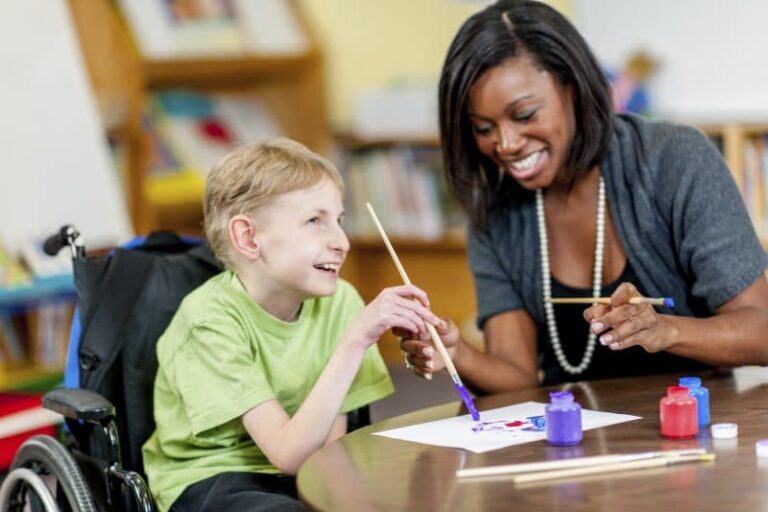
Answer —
430 328
667 302
617 467
551 465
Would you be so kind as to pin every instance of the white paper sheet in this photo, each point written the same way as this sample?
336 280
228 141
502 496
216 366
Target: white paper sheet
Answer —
457 432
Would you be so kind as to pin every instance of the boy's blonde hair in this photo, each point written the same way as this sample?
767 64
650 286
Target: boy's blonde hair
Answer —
249 177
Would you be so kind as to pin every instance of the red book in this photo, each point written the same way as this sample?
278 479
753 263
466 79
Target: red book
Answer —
22 417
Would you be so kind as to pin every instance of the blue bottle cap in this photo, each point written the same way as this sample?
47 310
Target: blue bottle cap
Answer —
690 382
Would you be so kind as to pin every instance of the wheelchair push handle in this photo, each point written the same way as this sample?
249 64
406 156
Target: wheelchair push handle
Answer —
68 235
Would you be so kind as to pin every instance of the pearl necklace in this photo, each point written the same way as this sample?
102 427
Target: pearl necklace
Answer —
546 280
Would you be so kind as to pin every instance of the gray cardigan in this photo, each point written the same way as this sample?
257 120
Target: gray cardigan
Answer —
678 214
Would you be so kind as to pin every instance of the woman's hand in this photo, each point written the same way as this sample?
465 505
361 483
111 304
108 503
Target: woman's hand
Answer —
420 352
622 325
405 308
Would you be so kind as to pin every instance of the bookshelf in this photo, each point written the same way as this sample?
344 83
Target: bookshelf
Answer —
434 258
34 330
745 149
289 85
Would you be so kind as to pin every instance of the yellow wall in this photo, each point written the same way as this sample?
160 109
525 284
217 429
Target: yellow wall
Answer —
377 43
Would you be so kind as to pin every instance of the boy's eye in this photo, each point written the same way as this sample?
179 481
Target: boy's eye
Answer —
341 220
314 220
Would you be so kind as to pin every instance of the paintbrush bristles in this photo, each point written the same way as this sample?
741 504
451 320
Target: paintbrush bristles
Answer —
404 276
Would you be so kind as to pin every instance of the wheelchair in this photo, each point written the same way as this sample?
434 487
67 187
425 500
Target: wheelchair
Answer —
125 300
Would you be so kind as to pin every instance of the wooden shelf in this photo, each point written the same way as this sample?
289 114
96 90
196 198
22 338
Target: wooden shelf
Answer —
744 128
225 71
26 377
52 288
451 243
354 143
181 189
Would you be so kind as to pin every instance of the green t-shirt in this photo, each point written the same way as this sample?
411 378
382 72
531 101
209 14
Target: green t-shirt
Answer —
222 355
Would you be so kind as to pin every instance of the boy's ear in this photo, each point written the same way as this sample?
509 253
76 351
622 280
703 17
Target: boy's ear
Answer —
242 233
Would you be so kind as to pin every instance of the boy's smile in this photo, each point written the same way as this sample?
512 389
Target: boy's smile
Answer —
301 248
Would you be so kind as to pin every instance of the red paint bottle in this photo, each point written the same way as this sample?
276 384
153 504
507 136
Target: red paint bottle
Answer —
679 414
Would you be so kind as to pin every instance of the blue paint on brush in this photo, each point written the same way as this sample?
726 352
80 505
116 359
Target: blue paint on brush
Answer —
467 399
669 302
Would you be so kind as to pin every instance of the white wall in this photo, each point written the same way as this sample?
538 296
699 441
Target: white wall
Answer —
54 164
714 53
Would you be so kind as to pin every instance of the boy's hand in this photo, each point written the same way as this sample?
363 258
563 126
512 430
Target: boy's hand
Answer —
420 352
394 308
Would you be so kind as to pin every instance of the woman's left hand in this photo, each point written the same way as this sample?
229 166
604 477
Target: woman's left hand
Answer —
622 325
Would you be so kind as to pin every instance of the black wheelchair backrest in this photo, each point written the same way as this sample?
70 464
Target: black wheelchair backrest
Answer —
134 298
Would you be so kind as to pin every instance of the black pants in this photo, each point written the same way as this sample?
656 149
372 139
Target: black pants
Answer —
251 492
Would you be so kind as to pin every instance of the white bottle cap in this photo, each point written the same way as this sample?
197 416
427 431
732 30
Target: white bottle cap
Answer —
761 448
725 430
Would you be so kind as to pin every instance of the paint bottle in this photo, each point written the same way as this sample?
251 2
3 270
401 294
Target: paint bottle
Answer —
563 419
679 419
701 394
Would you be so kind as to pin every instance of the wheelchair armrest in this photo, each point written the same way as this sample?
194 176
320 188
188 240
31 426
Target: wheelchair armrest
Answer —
79 404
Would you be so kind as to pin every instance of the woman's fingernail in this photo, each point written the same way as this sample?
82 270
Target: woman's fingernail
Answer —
428 376
597 327
427 352
605 340
615 346
429 364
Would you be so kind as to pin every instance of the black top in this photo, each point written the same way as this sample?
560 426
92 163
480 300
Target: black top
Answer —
606 363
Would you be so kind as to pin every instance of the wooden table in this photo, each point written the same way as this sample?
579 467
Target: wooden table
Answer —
367 472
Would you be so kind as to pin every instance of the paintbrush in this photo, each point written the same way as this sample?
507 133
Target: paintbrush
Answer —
576 462
465 396
667 302
630 465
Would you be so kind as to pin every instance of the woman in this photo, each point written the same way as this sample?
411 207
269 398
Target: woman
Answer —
565 199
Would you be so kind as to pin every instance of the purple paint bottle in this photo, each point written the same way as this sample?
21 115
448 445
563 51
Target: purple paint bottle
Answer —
563 419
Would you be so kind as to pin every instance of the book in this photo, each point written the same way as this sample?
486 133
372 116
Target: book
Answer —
10 346
404 184
22 417
12 273
192 131
172 29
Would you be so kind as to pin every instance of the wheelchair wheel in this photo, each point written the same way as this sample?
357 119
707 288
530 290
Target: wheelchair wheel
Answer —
48 458
14 493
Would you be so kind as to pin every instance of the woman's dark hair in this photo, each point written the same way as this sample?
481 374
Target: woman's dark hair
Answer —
502 31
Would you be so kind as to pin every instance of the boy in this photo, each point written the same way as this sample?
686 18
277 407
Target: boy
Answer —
260 364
